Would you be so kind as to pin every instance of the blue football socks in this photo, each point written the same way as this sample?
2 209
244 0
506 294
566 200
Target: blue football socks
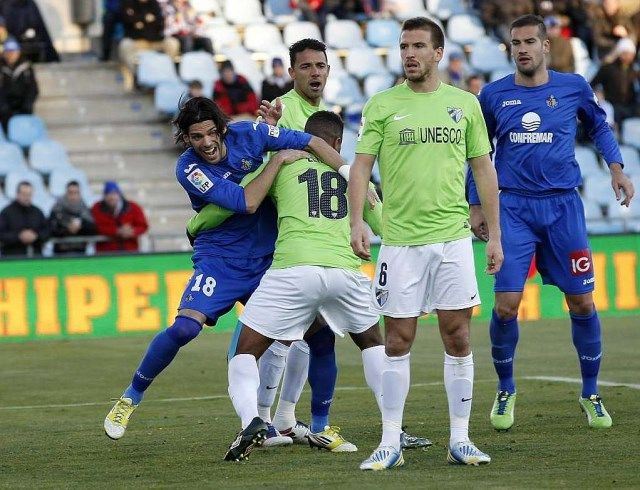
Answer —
323 372
504 338
585 330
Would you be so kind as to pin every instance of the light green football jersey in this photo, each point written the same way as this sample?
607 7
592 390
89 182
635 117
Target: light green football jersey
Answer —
296 110
422 141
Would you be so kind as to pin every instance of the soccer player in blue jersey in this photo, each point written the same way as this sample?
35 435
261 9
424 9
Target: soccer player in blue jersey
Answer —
229 260
533 114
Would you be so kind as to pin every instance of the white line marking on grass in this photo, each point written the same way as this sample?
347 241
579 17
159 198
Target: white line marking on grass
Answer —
338 388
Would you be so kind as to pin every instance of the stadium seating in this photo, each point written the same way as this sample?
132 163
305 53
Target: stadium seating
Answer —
349 140
206 7
342 90
583 64
13 178
394 63
631 159
383 33
279 51
597 188
167 96
244 12
631 131
155 68
465 29
257 37
60 177
245 66
279 12
343 34
199 65
25 129
335 62
11 158
444 9
47 155
4 201
588 161
376 83
488 55
405 9
498 74
44 201
363 61
295 31
222 36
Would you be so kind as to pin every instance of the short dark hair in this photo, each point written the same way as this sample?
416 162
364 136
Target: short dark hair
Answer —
437 36
308 43
196 110
73 182
326 125
195 84
531 20
23 183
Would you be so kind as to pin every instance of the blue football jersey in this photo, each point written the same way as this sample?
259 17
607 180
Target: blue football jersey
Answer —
535 132
242 235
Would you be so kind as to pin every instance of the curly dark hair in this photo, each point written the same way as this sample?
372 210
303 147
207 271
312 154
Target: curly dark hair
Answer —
308 43
195 110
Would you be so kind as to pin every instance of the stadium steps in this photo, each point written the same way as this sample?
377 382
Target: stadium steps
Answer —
132 165
71 79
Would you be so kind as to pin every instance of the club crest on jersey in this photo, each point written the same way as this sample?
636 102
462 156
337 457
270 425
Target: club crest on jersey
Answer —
407 137
552 102
455 113
200 181
246 164
382 295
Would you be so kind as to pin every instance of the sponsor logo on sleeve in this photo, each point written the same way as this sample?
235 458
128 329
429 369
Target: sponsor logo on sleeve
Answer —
361 129
274 131
189 168
580 261
200 181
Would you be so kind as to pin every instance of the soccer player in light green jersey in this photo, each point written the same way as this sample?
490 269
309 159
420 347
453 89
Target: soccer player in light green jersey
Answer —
314 271
422 133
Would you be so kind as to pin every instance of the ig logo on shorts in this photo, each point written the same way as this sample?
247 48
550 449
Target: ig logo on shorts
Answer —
580 262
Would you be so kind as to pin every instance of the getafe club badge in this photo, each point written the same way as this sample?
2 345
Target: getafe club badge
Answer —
246 164
455 113
381 296
552 102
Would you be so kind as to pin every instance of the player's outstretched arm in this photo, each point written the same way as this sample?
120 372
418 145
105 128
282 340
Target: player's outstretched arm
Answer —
270 112
486 180
622 185
372 212
360 174
327 154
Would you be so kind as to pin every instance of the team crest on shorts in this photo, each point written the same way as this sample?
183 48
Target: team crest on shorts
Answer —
382 295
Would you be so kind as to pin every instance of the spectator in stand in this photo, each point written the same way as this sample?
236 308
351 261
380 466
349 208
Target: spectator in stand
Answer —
279 83
560 56
183 23
25 23
497 16
474 84
23 227
18 85
607 107
610 24
195 89
144 30
620 80
70 217
110 19
234 94
455 73
4 33
121 220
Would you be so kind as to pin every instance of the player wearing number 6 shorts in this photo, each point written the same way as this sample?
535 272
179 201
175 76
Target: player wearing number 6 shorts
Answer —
422 133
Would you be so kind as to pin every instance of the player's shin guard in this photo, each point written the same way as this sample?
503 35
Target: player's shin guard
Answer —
458 383
587 339
504 338
373 364
395 388
323 372
271 367
295 376
161 351
244 380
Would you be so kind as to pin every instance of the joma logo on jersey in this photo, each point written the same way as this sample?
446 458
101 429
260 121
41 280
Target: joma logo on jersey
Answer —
506 103
580 262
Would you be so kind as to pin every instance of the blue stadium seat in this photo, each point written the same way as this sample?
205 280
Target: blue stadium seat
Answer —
334 60
154 68
631 131
60 177
46 155
383 33
258 37
4 201
279 12
342 90
295 31
377 82
25 129
343 34
167 95
465 29
406 9
631 159
11 158
222 36
363 61
199 65
597 188
394 63
244 12
279 51
588 161
444 9
498 74
348 149
488 55
44 201
18 175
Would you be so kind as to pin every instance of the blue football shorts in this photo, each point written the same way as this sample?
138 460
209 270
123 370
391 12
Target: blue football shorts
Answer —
553 227
218 282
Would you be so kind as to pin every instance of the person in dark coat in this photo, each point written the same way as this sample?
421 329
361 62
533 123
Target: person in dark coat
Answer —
23 227
278 84
18 84
70 217
25 23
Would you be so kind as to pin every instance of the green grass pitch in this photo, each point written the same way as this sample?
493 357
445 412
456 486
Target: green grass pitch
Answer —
54 396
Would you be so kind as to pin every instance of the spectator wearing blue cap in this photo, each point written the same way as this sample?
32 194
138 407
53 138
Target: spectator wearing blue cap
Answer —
121 220
455 74
18 85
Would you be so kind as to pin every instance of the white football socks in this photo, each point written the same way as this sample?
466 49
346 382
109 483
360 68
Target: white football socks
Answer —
458 382
243 386
396 378
271 367
295 376
373 364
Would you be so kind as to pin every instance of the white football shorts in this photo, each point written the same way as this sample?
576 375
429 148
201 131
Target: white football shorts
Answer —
287 300
413 280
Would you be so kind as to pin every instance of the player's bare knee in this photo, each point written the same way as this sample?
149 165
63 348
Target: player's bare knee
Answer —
580 304
456 341
369 338
397 343
506 310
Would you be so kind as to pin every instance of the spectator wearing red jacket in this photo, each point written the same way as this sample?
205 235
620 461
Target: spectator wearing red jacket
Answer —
121 220
234 94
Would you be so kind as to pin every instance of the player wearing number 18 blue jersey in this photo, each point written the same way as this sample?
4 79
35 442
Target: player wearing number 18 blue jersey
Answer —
533 116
